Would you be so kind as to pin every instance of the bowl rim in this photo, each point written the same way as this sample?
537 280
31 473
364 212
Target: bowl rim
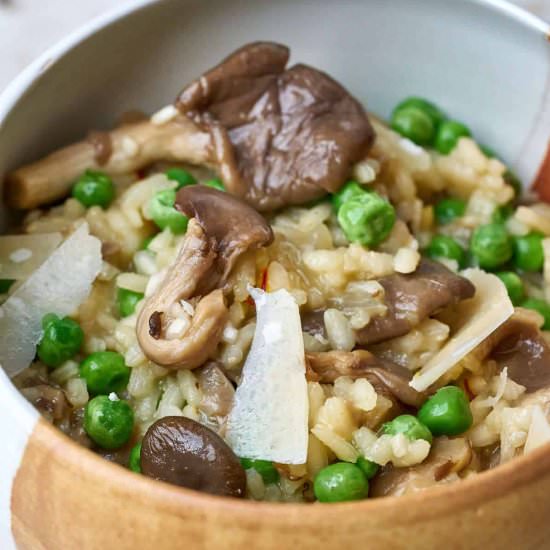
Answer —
485 486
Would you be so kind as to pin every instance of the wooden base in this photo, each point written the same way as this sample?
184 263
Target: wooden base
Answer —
65 497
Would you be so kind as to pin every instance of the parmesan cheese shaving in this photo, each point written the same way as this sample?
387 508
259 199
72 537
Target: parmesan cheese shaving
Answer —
476 318
20 255
269 419
58 286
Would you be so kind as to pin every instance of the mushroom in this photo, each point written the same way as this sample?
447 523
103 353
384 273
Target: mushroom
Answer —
276 136
209 249
386 377
281 136
217 391
447 457
131 147
519 346
414 297
229 222
183 452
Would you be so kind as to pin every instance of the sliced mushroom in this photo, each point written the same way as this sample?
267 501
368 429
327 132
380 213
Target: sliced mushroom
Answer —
385 376
217 391
221 229
195 258
447 457
281 136
183 452
412 298
132 147
277 136
519 346
232 225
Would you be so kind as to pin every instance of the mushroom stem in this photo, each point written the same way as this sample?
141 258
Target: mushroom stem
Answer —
194 260
133 146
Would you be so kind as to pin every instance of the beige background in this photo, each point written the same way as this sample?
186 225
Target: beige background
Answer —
28 27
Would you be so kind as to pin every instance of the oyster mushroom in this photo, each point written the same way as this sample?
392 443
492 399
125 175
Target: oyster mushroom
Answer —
282 136
519 346
277 136
131 147
222 227
233 227
386 377
447 458
414 297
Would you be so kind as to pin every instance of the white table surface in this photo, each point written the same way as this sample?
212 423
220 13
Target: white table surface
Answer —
28 27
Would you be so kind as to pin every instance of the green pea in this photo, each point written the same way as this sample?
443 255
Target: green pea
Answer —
491 245
181 176
60 341
448 134
542 307
264 467
134 461
340 482
215 184
94 189
443 246
367 218
424 105
108 422
447 210
127 300
369 468
408 425
528 252
414 124
164 214
347 191
447 412
502 213
514 286
104 372
5 285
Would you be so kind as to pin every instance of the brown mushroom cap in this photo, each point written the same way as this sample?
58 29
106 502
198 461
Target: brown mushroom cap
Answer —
414 297
385 376
519 346
281 137
231 224
183 452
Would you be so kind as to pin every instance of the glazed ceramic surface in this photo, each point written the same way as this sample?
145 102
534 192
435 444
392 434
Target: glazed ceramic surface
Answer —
485 61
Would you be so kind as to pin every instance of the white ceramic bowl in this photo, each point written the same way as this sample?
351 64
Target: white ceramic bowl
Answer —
484 61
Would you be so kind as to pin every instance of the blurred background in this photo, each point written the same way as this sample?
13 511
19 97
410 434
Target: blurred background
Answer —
28 27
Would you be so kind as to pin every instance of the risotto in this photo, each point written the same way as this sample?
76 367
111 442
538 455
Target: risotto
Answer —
261 291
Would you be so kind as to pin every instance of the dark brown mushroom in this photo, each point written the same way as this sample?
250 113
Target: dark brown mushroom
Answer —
519 346
230 224
386 377
281 137
183 452
413 298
